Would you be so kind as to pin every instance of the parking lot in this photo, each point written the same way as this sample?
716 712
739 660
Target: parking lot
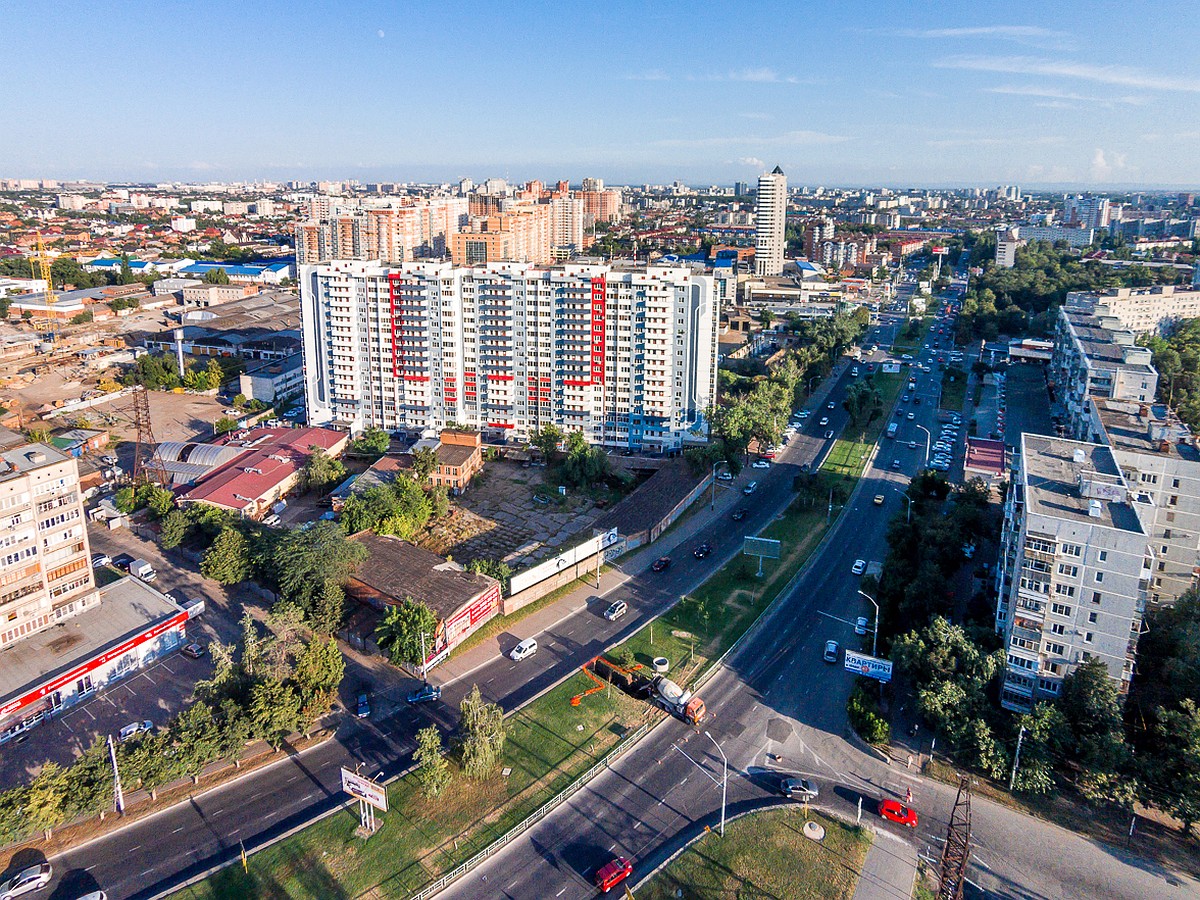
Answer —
1027 401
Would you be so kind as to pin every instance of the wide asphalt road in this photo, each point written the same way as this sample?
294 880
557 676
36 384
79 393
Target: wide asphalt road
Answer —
150 857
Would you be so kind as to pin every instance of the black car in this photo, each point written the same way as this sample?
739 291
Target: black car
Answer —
738 515
661 564
426 693
123 561
702 551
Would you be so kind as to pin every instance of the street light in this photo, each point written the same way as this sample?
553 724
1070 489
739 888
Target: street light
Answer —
724 778
927 438
875 631
713 505
908 499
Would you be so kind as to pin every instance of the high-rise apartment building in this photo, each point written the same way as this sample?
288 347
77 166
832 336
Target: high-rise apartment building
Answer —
816 233
770 220
393 233
1087 211
566 226
1155 309
522 233
600 205
45 564
1074 569
625 356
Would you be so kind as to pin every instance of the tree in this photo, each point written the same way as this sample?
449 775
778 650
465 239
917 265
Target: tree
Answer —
319 672
372 442
310 566
1175 765
239 400
274 711
547 438
216 276
433 772
585 465
174 529
48 798
1044 727
439 501
227 559
1092 709
236 730
321 471
495 568
195 738
160 500
399 635
483 734
424 464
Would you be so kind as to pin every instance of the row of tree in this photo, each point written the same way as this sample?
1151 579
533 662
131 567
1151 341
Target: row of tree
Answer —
1177 359
277 681
158 372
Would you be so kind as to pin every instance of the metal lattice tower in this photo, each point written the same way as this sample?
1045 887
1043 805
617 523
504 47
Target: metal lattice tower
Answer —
147 466
957 852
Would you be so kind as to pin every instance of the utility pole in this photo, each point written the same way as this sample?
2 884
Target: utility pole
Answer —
118 794
724 779
1016 759
957 851
424 673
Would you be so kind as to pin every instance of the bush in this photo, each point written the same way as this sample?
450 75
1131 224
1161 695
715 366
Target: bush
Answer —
865 717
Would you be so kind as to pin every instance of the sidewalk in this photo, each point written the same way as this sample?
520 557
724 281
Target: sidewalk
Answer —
889 871
683 534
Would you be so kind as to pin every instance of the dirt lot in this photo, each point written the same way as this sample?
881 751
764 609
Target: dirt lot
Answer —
499 518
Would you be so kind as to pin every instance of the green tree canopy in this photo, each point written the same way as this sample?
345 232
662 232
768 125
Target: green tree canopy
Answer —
399 634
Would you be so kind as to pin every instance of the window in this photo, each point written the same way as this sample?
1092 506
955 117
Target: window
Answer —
1058 628
1087 637
1064 590
1102 555
1166 534
1096 596
1170 517
1099 578
1092 618
1056 649
1060 609
1164 548
1069 571
1162 567
1072 549
1048 686
1173 500
1175 483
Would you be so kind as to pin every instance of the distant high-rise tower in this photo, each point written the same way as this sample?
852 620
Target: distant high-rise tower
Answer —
771 215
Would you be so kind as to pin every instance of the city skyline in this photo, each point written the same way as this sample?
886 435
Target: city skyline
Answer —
860 93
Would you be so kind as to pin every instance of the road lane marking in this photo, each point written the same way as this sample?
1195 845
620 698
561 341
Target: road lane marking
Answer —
560 893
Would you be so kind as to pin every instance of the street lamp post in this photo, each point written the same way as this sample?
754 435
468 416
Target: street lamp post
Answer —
724 779
713 504
927 438
875 630
908 512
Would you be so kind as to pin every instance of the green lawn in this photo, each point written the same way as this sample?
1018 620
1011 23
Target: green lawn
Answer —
765 855
550 743
954 393
848 457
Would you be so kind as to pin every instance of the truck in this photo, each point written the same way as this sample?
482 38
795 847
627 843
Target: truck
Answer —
139 568
659 690
892 429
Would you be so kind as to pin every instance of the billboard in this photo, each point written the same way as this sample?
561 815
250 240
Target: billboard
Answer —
364 789
572 556
868 666
764 547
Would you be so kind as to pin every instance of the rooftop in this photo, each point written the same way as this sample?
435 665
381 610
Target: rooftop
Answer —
24 458
1074 480
1146 428
397 569
127 608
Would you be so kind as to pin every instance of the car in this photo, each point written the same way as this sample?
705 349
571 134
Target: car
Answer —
192 650
750 488
523 650
879 499
895 811
426 693
904 398
831 651
912 445
725 476
94 895
911 416
616 610
702 551
109 460
737 515
860 625
133 729
612 873
272 520
363 709
122 561
100 560
916 401
860 566
831 405
798 789
760 464
906 356
896 465
803 414
824 420
661 564
28 880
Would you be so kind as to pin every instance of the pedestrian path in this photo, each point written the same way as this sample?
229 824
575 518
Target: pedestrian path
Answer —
890 870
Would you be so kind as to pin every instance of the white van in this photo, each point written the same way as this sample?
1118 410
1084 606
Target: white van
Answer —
139 568
523 650
615 611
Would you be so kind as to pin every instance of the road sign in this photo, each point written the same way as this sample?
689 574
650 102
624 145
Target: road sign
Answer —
762 547
365 790
868 666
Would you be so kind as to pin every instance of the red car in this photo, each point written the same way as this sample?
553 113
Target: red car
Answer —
613 873
896 811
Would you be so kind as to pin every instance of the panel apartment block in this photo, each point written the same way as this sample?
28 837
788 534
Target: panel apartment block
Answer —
625 356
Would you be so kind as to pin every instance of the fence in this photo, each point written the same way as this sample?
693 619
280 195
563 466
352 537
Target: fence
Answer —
532 819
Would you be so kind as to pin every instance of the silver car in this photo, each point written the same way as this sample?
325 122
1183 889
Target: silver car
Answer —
27 881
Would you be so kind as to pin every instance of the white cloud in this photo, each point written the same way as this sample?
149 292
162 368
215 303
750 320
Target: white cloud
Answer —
1028 65
761 75
1022 34
380 32
649 75
787 139
758 116
753 161
1056 94
1105 166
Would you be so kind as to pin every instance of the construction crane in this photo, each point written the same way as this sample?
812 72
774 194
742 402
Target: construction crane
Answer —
39 266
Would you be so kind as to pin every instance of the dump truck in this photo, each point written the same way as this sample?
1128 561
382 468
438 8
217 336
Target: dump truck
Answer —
657 689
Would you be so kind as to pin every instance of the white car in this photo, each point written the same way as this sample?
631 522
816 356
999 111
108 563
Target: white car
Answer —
860 566
27 881
824 420
803 414
760 464
131 730
860 625
523 650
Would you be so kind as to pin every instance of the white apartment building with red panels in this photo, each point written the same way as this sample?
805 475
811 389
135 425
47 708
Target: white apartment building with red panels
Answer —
627 356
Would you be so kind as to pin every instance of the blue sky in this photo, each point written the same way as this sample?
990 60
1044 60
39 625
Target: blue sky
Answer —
850 92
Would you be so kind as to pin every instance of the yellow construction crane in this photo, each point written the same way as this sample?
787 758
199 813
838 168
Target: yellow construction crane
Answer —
42 268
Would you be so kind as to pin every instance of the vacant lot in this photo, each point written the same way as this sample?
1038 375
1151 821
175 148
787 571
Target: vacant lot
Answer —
765 855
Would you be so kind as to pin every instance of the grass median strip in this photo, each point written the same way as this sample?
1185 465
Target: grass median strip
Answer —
848 458
954 389
766 854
